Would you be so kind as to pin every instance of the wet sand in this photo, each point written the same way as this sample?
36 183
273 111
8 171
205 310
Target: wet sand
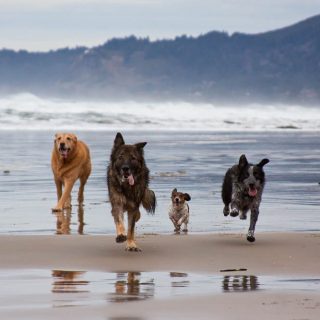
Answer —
273 254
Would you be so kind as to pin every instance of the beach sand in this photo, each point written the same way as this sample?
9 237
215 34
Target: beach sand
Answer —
273 254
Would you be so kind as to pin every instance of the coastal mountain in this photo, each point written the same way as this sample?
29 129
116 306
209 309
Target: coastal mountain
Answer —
280 66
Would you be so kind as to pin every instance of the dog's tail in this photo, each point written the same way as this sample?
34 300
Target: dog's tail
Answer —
149 201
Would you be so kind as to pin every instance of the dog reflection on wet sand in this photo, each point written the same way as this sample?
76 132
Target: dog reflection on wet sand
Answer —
179 279
240 283
68 281
63 225
131 288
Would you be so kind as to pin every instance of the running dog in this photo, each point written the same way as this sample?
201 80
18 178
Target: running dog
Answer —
70 161
179 210
128 179
242 191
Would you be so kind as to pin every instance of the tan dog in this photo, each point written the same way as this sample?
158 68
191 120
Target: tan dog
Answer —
70 161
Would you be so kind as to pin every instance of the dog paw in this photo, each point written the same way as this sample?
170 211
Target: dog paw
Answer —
121 238
250 236
243 216
185 230
133 248
57 209
234 213
226 211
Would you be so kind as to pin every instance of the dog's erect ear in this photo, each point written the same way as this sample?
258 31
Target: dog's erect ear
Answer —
140 145
174 191
243 162
118 141
187 196
263 162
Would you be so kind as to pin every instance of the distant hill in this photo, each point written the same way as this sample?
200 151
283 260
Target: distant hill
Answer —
278 66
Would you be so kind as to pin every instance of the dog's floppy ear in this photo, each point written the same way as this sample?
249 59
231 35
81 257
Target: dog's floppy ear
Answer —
74 138
263 162
174 191
56 136
118 141
243 162
187 196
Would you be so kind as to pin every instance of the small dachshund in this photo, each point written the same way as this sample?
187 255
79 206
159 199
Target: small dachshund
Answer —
179 210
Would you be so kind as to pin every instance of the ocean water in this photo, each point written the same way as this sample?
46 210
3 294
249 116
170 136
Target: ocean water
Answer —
184 155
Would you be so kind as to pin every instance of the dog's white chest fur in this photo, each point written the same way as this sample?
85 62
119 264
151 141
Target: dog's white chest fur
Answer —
178 213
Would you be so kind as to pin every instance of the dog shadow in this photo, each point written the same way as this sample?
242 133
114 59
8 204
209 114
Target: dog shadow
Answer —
64 221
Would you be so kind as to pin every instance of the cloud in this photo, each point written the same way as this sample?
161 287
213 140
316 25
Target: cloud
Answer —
35 24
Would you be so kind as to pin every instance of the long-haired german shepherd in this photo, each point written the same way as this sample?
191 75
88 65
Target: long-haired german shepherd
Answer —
128 179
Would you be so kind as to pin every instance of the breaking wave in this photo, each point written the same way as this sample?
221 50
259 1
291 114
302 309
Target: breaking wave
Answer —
29 112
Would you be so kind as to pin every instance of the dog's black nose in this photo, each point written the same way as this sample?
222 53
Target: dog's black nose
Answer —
251 185
125 168
176 199
62 145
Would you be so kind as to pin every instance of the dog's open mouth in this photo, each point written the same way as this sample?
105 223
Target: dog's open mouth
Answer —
252 191
129 178
64 152
176 202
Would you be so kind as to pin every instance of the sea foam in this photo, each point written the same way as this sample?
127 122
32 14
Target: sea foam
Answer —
28 112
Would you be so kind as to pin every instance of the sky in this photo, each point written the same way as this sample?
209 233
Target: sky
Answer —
42 25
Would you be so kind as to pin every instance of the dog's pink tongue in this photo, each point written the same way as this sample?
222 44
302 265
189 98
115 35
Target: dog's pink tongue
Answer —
253 192
131 180
64 154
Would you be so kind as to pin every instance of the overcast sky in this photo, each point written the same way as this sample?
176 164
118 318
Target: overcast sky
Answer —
40 25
